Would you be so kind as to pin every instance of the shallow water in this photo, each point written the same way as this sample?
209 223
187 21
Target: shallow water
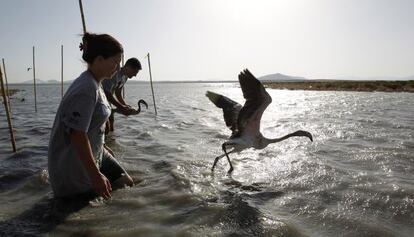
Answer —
355 179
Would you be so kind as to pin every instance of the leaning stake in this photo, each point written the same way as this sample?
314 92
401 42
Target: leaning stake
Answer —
83 17
6 106
152 88
34 79
7 85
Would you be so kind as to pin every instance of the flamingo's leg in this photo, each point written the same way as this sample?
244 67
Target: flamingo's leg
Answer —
227 155
215 161
218 158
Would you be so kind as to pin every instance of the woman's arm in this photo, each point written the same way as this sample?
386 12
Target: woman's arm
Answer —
100 184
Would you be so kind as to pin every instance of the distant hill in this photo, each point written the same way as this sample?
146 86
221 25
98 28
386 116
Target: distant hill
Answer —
51 82
38 81
280 77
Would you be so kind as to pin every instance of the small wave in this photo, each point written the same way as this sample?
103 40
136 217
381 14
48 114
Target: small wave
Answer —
145 135
157 149
11 178
408 144
198 109
161 165
185 125
165 126
38 131
220 136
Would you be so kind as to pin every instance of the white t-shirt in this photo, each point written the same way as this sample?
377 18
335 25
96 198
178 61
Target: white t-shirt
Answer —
83 108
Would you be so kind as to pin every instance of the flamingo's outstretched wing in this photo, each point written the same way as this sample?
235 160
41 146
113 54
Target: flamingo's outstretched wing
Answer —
257 100
230 108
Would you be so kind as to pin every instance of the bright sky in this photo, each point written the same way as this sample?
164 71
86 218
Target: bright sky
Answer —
215 39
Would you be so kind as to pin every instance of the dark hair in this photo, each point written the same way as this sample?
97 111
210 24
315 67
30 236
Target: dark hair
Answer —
94 45
134 63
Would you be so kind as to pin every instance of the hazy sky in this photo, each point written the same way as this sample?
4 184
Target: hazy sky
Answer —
215 39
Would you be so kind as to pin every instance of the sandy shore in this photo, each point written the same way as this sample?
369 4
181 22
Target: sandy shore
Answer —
330 85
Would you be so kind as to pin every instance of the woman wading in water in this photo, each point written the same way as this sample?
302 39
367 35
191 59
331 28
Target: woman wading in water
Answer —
78 161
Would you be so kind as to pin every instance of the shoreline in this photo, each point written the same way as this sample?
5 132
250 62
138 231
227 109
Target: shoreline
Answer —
330 85
315 85
10 92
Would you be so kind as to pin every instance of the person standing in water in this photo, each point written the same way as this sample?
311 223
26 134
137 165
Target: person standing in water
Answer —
114 87
78 162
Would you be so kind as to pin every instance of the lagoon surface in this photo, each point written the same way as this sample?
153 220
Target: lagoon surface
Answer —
355 179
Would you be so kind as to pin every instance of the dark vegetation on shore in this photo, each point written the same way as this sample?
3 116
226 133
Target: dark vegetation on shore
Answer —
336 85
11 92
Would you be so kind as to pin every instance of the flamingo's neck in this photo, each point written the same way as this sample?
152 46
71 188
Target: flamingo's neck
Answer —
268 141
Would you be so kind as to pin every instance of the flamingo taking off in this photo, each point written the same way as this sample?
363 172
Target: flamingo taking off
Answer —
244 122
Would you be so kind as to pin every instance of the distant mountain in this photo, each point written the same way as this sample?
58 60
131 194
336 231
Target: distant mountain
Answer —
280 77
52 81
38 81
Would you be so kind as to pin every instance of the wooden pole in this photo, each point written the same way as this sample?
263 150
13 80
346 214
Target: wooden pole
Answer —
6 106
7 85
34 79
83 17
152 88
61 71
123 88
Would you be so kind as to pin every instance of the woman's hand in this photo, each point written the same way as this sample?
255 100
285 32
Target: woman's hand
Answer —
101 186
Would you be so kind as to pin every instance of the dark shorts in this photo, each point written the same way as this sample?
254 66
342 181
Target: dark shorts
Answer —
110 167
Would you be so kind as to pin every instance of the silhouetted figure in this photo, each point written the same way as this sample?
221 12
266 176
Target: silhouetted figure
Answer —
113 90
